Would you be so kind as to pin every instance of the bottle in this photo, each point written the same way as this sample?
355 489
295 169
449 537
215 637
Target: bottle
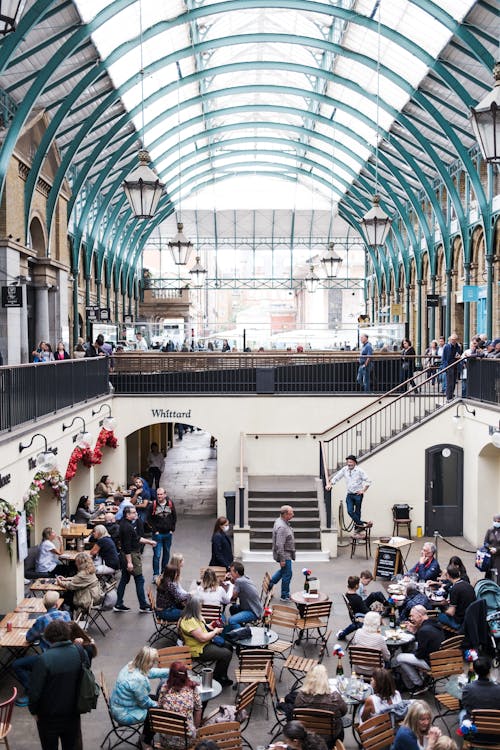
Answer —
392 618
306 585
340 668
80 544
471 675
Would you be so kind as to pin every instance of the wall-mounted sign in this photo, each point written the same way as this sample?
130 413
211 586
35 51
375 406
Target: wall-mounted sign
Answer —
396 309
12 296
92 312
169 414
470 293
104 314
4 480
433 300
128 318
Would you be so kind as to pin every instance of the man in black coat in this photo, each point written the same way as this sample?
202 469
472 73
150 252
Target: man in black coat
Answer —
131 538
54 686
482 693
428 638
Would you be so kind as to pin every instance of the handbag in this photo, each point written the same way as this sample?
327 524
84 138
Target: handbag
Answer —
88 689
239 634
483 560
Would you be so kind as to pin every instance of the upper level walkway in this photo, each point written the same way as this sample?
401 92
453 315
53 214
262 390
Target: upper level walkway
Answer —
29 392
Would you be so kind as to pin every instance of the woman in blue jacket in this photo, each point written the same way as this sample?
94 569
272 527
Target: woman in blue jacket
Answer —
130 700
222 551
416 733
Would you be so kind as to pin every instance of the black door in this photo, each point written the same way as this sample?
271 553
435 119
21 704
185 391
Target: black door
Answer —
444 490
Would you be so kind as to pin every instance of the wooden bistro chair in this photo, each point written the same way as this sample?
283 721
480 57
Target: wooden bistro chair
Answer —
299 666
245 702
314 618
226 735
487 721
283 621
444 664
163 628
6 709
377 733
129 734
169 654
266 586
401 518
170 723
316 720
253 664
364 660
455 641
210 612
362 539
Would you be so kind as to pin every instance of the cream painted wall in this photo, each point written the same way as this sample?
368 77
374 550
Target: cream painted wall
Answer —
398 471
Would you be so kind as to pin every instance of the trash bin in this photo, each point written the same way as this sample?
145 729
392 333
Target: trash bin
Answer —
230 498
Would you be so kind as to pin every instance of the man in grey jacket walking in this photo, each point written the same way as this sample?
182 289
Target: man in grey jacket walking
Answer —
283 550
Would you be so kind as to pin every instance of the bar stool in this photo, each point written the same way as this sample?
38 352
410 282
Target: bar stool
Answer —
362 538
401 517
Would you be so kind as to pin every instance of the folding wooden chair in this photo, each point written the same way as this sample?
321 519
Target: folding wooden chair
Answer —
283 621
166 656
487 721
172 724
163 628
352 615
244 702
253 665
324 723
227 735
376 733
6 709
210 612
364 660
315 617
445 663
275 703
130 734
455 641
299 666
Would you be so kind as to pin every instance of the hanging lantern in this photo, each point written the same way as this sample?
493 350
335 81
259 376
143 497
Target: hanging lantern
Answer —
331 262
84 440
197 273
485 121
143 188
376 224
45 461
109 423
180 246
311 280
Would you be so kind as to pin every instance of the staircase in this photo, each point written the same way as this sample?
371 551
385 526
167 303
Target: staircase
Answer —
266 495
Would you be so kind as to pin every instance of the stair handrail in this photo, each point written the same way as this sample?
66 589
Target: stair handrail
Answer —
396 388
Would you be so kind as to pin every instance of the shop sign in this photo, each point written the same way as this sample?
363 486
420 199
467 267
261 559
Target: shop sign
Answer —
12 296
433 300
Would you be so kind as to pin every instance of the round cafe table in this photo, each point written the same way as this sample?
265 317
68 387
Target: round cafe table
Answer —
260 638
299 598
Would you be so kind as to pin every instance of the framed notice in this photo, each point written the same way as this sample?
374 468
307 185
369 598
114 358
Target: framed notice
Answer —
12 296
22 538
387 562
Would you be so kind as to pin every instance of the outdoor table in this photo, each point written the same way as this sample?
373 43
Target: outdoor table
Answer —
301 598
397 638
260 638
41 585
69 555
19 619
354 692
34 604
13 646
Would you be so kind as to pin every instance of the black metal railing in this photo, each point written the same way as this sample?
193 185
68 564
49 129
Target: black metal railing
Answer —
483 380
28 392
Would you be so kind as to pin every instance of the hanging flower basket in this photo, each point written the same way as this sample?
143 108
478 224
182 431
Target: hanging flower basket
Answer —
85 455
9 521
43 479
105 438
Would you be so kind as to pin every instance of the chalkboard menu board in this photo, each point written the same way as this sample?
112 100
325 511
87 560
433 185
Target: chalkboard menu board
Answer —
387 562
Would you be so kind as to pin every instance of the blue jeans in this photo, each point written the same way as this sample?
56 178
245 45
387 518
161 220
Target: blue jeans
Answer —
283 574
139 588
169 615
363 377
22 669
448 620
353 502
239 618
163 544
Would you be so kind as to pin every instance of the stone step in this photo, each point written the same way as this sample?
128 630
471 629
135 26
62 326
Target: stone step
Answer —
281 493
272 502
259 520
303 556
266 533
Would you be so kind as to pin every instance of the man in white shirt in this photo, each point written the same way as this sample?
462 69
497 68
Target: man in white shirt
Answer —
357 484
141 343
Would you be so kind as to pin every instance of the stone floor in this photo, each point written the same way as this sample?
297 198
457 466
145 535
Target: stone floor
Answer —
190 479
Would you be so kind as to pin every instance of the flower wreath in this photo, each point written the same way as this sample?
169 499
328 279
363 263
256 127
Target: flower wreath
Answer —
9 521
50 479
85 455
105 437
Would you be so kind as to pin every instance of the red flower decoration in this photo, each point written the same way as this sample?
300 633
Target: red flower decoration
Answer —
87 456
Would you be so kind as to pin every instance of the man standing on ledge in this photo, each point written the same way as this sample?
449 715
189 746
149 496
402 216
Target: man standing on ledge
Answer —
357 484
365 364
283 550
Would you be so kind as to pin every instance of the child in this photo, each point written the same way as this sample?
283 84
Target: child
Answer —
358 607
376 596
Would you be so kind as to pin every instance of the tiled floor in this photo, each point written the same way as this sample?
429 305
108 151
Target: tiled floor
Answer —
187 479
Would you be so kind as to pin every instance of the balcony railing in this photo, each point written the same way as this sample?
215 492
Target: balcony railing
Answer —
28 392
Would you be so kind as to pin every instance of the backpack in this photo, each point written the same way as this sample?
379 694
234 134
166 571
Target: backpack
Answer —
483 560
155 503
88 689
